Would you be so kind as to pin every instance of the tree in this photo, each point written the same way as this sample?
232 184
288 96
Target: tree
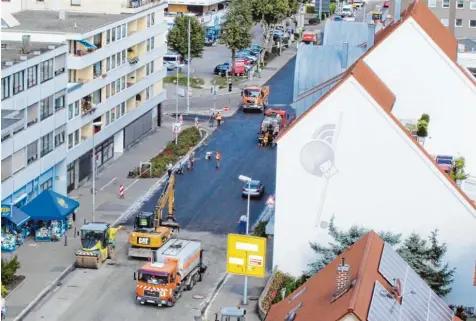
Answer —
426 259
269 12
343 240
177 38
237 28
9 269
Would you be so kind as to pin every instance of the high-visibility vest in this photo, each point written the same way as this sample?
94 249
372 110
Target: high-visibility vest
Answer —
218 156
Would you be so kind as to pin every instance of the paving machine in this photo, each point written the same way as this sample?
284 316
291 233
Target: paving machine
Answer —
174 268
274 121
98 240
151 231
231 314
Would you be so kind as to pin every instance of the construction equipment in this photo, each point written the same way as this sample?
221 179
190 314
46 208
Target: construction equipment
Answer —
274 121
231 314
98 240
150 230
255 98
174 268
376 16
309 37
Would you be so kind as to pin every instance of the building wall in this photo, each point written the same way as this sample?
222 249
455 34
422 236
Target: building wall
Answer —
439 89
465 14
383 182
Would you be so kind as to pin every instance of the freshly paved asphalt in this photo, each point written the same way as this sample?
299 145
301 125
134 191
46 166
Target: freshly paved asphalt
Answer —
210 200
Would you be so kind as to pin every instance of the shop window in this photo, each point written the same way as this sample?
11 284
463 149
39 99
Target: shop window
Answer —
47 185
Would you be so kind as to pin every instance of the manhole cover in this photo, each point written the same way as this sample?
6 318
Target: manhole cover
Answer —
111 263
253 298
198 296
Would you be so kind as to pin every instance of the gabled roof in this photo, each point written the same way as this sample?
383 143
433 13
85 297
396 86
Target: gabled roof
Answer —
316 298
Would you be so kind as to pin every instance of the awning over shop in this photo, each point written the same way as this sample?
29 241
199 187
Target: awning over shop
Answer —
87 44
14 215
50 205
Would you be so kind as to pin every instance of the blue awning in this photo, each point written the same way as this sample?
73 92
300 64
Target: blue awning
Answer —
50 205
87 44
14 215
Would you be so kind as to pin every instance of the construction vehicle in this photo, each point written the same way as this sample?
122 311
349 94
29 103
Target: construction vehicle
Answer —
98 240
274 121
309 37
376 16
255 98
150 230
231 314
173 269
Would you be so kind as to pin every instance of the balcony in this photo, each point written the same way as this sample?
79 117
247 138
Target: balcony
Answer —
87 106
132 56
135 6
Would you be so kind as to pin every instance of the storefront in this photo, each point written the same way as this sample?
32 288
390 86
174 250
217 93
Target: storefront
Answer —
15 227
52 214
104 153
137 129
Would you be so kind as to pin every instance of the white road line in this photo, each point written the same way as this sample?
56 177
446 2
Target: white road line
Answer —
205 314
132 184
110 182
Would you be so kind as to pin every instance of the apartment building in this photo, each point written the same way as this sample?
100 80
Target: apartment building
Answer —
464 20
115 72
34 86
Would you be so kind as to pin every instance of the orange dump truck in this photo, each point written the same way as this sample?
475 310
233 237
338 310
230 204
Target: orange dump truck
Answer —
176 267
255 98
309 37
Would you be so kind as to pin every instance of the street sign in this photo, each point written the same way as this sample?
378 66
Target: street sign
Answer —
176 128
226 108
270 201
246 255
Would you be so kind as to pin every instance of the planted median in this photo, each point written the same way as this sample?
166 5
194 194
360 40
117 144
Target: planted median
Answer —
172 153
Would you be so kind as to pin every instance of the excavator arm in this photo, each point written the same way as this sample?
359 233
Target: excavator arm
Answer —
167 199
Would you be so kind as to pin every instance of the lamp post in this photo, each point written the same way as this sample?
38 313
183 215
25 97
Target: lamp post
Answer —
248 180
176 104
94 170
189 66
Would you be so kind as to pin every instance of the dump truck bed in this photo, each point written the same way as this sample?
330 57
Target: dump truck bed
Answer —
186 253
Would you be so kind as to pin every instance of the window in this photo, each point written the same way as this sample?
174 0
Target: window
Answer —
445 22
432 3
108 37
47 185
472 23
123 83
108 63
460 4
108 116
75 2
70 141
5 87
60 64
59 101
46 70
76 137
108 91
124 30
97 97
59 136
149 68
113 88
118 59
113 65
113 31
119 32
70 111
149 92
76 108
150 44
472 5
46 144
148 20
445 3
32 152
46 107
6 168
113 115
32 76
118 85
123 56
458 22
152 19
123 108
32 114
18 82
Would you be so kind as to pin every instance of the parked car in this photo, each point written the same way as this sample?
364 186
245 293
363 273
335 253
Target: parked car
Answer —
249 52
170 65
255 46
253 189
223 68
246 56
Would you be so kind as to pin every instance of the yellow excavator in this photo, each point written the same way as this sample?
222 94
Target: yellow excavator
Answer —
151 231
98 241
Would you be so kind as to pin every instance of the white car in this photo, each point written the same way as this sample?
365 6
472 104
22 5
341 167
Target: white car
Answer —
347 11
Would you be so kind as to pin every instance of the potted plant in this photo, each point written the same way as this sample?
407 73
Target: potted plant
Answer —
457 172
422 129
459 178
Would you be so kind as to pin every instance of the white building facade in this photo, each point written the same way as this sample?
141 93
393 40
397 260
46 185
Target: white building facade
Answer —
355 162
115 73
34 88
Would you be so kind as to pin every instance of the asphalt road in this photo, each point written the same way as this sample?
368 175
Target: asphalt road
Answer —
208 205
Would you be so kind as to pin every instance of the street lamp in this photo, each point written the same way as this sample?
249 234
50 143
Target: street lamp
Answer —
189 66
95 124
248 180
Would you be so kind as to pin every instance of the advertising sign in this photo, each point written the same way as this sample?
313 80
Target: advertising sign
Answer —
246 255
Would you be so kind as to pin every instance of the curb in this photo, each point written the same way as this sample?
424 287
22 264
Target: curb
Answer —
131 210
211 298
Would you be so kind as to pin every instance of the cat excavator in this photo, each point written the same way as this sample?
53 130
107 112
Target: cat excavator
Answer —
151 231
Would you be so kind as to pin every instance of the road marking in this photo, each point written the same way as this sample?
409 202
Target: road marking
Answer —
110 182
132 184
205 313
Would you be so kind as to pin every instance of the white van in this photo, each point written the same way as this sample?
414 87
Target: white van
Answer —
172 60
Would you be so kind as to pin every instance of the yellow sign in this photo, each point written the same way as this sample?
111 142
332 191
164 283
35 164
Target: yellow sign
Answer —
246 255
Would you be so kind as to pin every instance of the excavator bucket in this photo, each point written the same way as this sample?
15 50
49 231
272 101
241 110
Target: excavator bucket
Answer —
170 222
88 260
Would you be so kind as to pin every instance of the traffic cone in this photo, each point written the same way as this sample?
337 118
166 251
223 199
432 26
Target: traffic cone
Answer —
121 191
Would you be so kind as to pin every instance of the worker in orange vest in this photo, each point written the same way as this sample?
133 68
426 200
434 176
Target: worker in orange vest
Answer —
218 157
218 119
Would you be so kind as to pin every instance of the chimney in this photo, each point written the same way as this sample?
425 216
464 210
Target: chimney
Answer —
398 10
452 17
344 58
26 45
343 276
371 35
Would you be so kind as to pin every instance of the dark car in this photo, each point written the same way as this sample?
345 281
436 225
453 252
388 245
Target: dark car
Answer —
221 69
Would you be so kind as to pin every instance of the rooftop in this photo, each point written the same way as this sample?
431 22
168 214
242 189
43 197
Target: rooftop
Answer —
12 51
75 22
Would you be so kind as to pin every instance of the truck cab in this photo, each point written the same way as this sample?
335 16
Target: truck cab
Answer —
255 98
231 314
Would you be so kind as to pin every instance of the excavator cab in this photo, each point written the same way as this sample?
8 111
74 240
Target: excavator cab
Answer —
231 314
144 222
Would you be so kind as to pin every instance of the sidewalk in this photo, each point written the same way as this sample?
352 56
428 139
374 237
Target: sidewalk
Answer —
43 263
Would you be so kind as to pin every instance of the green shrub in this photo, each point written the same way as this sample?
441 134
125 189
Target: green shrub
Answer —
297 36
9 269
195 82
260 229
4 291
310 9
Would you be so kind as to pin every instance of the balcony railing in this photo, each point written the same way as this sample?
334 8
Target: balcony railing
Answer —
133 59
87 107
140 3
31 159
84 52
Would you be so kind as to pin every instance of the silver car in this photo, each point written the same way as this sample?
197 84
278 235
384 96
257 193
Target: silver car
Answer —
253 188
